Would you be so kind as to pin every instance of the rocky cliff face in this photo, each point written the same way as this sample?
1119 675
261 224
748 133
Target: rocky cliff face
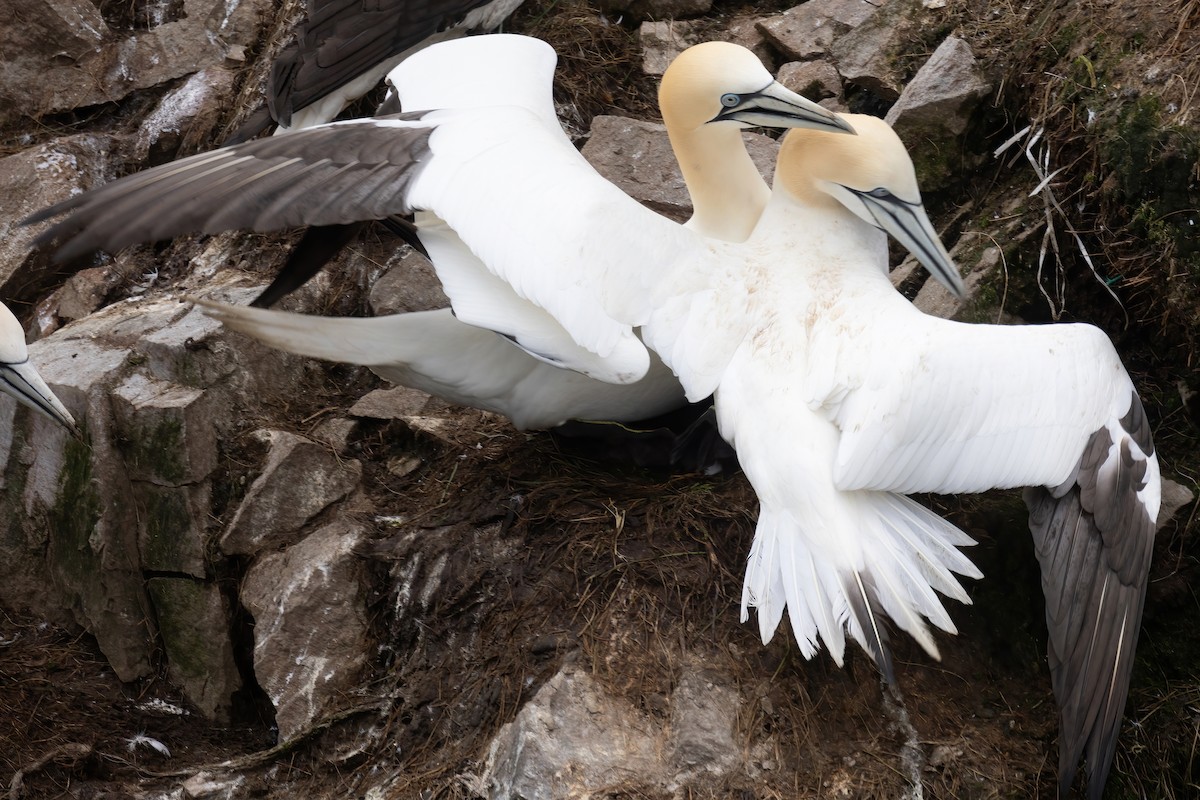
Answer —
331 586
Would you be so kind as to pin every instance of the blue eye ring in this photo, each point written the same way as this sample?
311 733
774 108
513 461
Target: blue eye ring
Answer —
730 100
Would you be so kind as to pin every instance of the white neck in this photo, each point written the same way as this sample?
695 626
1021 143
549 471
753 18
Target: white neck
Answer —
728 193
824 236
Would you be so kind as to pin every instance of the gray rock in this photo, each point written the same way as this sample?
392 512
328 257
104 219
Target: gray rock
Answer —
933 110
83 293
1174 497
190 351
400 402
867 56
943 93
193 622
807 31
745 31
310 633
410 284
169 430
637 157
816 80
570 740
300 479
94 64
574 738
205 785
36 178
662 42
701 739
182 122
171 536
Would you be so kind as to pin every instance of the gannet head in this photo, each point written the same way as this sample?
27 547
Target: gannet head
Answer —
720 82
872 175
20 379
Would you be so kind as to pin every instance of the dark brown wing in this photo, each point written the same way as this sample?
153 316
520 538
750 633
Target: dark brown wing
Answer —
1094 539
331 175
342 39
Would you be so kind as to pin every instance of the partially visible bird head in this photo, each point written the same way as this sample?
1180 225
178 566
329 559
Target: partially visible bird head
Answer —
872 175
724 83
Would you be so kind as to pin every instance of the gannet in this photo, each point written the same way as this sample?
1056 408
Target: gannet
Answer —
344 48
19 378
709 94
838 395
725 186
901 402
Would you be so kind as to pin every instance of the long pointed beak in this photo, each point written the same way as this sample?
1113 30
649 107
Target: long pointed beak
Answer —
909 223
776 106
22 381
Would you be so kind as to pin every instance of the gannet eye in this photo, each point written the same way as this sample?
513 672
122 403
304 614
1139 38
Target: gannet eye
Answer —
880 193
730 100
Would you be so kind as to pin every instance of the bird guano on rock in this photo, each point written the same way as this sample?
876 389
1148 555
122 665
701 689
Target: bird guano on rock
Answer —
19 378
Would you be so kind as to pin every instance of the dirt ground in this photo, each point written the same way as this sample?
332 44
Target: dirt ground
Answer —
636 571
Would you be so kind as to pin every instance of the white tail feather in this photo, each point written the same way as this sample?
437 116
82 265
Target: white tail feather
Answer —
904 553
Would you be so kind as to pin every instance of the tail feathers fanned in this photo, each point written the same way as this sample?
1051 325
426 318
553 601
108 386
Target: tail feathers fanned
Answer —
898 556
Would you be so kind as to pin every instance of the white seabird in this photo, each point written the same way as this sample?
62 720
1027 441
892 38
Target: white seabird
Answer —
19 378
436 351
837 394
344 48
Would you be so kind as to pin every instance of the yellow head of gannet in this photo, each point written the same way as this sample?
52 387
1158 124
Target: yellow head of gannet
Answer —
708 94
20 379
872 176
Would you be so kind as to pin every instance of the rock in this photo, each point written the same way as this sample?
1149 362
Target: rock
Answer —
657 9
806 31
38 177
944 91
171 536
400 402
100 65
193 622
933 111
300 479
637 157
662 42
936 300
190 351
205 785
816 80
82 520
868 55
570 740
410 284
83 293
1174 497
745 31
169 438
184 119
701 735
310 633
574 738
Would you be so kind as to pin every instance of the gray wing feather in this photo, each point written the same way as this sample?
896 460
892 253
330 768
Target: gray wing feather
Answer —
1094 541
328 175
